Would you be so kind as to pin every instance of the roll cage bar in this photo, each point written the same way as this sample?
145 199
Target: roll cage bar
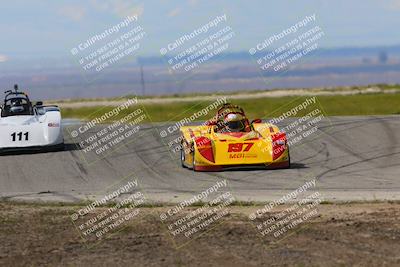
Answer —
15 94
226 109
231 109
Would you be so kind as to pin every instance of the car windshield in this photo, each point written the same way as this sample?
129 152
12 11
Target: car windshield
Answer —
16 106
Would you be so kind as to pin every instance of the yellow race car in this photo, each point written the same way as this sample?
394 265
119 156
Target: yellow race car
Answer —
230 141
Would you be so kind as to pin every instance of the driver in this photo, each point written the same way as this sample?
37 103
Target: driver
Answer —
16 106
234 122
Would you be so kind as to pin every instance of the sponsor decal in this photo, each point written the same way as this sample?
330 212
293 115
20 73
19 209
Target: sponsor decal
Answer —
241 155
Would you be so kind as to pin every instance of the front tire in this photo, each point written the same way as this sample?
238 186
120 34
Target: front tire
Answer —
183 158
194 160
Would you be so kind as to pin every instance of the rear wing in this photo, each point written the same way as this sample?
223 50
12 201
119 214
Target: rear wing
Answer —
229 108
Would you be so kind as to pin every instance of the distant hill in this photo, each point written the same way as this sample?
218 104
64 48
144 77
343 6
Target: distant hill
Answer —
56 78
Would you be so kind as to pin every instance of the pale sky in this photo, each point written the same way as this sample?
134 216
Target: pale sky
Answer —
52 28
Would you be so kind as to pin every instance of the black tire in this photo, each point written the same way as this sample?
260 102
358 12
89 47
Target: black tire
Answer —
183 157
194 161
192 152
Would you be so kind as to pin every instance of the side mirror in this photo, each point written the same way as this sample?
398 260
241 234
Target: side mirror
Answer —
256 121
39 103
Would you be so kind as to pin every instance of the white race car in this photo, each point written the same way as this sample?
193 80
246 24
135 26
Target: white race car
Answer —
27 126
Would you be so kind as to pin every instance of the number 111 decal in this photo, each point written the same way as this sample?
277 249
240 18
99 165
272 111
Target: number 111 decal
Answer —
20 136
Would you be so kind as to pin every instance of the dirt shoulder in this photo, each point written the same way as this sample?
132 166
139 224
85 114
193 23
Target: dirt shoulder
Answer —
339 235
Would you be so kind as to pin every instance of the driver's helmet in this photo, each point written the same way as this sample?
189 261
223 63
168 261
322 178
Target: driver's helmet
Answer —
234 122
16 105
16 102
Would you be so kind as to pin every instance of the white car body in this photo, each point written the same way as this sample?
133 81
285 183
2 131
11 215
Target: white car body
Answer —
39 130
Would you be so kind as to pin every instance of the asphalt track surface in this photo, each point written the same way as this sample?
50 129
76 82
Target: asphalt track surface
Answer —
352 158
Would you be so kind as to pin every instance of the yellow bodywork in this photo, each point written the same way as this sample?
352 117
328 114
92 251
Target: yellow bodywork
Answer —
231 149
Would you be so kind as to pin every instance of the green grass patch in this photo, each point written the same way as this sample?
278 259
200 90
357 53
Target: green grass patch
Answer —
335 105
200 94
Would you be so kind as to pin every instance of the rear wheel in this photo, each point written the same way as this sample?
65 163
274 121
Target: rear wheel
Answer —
184 149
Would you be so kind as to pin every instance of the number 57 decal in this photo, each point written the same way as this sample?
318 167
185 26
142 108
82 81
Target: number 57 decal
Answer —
20 136
240 147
